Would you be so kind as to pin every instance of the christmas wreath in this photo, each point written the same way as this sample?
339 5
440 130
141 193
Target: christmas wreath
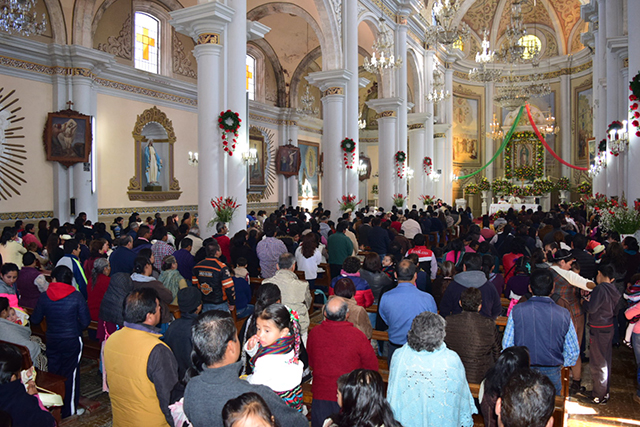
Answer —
229 122
400 158
348 146
427 165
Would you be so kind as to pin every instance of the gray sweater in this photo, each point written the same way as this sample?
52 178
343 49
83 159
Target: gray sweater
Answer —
206 395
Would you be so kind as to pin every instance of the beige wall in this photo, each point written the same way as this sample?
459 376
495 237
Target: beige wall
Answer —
116 119
35 100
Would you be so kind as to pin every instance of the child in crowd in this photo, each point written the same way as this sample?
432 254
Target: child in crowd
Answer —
389 266
8 277
275 354
241 269
247 410
633 296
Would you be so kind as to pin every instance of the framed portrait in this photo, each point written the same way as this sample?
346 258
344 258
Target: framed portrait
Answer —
583 122
367 162
288 160
466 129
67 137
309 174
257 170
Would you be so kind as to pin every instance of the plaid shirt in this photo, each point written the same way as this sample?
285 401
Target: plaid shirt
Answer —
161 249
569 293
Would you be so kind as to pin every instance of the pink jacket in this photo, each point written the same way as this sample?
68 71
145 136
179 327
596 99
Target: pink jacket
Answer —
630 314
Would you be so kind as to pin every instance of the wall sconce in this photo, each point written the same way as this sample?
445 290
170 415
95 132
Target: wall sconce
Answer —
251 156
193 159
362 168
618 137
409 173
435 177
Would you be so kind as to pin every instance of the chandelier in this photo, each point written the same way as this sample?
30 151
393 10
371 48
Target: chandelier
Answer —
16 17
599 163
443 31
307 100
382 46
512 95
485 57
515 51
538 88
437 94
549 128
496 132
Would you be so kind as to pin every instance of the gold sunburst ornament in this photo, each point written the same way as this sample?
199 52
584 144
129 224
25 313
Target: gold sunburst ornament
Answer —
12 151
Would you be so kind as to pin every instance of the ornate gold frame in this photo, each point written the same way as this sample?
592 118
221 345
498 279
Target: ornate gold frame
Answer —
135 183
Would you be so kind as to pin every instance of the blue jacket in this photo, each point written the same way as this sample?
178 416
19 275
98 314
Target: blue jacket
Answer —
243 293
541 325
66 317
121 260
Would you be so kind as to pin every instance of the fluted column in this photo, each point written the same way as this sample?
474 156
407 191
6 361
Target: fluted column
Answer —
633 188
332 84
206 24
350 42
387 109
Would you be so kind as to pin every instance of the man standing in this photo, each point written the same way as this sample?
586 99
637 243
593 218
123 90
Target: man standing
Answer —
160 248
71 260
399 306
141 370
363 232
213 279
379 240
472 276
335 347
122 258
185 260
223 241
217 348
544 328
339 247
269 250
411 226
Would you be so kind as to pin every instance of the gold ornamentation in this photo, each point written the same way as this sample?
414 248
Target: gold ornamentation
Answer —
153 114
439 135
333 91
416 126
181 62
208 38
122 45
386 114
12 216
153 196
145 209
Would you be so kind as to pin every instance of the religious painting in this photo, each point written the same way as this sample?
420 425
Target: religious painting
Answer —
466 132
309 176
257 170
67 137
364 160
288 160
592 150
524 157
583 122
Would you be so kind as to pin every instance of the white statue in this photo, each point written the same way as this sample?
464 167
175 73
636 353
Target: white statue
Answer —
153 163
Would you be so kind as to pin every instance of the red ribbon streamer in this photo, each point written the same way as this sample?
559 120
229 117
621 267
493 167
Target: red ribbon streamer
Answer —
553 153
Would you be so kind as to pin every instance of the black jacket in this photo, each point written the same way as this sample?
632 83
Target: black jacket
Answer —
601 306
113 301
379 240
450 303
588 265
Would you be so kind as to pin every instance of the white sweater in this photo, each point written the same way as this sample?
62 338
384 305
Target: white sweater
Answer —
276 371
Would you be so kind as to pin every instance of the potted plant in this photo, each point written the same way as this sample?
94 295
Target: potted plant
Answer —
563 186
471 188
348 202
618 217
398 200
501 186
427 200
223 209
584 187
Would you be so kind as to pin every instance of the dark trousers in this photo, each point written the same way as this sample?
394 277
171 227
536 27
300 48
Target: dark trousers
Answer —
391 348
600 342
321 410
64 357
335 270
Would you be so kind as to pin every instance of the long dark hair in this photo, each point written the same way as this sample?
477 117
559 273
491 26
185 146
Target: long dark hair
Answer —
309 245
245 405
267 294
511 359
7 235
363 401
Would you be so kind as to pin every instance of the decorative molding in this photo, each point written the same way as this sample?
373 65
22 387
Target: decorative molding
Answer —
383 7
310 130
368 140
439 135
153 114
416 126
333 91
145 209
263 206
154 196
336 5
384 114
461 90
146 92
12 216
546 76
208 38
278 122
121 45
625 63
181 62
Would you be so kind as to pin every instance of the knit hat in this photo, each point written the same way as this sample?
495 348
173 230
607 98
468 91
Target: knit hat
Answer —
562 255
189 299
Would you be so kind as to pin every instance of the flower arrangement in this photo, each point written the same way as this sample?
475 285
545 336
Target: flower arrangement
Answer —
543 186
484 184
400 159
598 201
584 187
398 200
427 165
223 208
348 202
348 146
527 137
523 191
525 173
427 200
620 218
229 122
471 188
501 186
563 184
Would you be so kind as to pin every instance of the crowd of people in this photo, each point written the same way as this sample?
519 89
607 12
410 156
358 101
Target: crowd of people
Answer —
242 343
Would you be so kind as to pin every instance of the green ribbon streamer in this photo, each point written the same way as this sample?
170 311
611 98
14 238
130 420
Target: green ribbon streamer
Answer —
505 141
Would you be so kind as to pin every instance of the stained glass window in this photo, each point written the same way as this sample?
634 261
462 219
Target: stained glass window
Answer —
147 29
251 77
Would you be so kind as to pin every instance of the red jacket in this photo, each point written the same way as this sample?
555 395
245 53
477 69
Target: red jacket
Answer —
336 348
225 246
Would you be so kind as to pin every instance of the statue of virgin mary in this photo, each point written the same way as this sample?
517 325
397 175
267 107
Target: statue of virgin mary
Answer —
153 164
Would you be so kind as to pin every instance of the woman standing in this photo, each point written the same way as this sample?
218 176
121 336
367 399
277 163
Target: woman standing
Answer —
98 285
171 277
308 257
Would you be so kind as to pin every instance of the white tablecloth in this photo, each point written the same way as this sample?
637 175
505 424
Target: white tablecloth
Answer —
495 207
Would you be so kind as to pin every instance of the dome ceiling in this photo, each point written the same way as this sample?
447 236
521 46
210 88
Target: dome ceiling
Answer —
557 18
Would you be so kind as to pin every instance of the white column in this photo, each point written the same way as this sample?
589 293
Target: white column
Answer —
206 24
417 147
448 148
599 68
565 122
332 84
633 188
288 134
613 29
430 188
61 189
401 89
350 42
439 162
488 118
387 109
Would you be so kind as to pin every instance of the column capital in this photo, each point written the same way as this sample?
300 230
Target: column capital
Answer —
333 82
83 61
386 105
417 120
256 30
204 23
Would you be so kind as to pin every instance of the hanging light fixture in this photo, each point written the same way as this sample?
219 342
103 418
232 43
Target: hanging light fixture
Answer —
516 50
382 57
361 122
437 94
442 30
496 131
549 128
307 100
17 17
487 56
513 94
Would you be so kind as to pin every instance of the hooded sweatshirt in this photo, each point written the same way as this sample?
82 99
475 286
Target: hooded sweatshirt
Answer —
450 303
601 306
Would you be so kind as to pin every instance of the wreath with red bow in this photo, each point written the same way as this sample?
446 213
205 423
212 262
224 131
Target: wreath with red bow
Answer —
229 122
400 158
348 146
427 165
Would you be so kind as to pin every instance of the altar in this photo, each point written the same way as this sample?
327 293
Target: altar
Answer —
495 207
